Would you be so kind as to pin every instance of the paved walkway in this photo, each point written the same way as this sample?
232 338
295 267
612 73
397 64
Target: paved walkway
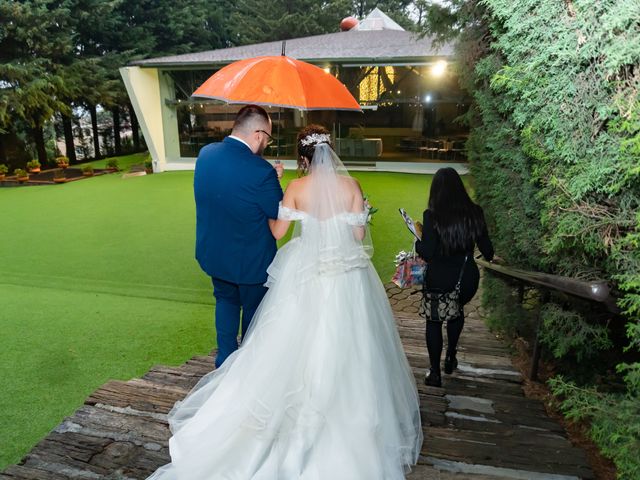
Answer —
478 426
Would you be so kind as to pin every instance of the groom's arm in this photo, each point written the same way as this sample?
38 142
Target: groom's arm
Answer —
270 194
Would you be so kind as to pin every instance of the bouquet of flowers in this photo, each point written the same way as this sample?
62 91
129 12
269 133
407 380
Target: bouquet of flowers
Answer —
372 210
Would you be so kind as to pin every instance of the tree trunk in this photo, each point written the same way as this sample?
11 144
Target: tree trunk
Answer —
3 152
68 139
115 111
134 129
38 136
94 128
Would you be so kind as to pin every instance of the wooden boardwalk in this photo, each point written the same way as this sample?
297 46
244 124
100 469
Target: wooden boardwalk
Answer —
478 426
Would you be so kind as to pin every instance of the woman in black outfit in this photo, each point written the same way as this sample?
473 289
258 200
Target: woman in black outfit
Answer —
452 226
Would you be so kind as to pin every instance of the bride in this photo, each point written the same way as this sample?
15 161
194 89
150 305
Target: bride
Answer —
320 388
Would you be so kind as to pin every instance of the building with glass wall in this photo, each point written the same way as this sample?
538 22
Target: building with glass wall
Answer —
405 85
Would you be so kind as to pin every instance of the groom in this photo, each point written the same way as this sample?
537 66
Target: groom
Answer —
236 193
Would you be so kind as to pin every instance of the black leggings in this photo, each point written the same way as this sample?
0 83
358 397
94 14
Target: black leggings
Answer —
434 339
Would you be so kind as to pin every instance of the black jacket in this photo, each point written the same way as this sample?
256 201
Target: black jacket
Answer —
443 270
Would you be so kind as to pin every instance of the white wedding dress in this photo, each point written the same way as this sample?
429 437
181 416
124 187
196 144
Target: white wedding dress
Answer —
320 388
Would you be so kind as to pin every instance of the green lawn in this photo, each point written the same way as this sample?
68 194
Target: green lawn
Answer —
98 281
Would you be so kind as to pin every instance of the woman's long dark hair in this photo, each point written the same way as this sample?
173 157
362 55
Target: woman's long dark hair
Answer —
458 220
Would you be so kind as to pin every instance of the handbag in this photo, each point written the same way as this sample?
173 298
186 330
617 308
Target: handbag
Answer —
409 270
439 306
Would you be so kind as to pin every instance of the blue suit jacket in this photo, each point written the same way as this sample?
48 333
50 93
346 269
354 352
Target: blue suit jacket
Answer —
236 192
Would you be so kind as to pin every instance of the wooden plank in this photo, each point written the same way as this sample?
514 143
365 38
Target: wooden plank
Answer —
196 369
184 382
512 437
138 394
82 456
427 472
117 425
19 472
480 422
186 376
431 417
500 453
459 384
72 450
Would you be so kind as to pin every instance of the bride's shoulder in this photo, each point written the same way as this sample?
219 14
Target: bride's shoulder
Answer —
351 182
294 184
294 191
356 189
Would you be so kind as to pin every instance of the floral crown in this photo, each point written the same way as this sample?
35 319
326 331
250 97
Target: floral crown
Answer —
315 138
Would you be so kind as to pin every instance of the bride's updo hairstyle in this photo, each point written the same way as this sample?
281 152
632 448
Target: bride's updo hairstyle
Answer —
308 138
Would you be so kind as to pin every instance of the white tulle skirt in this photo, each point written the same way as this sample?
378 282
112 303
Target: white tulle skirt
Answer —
319 390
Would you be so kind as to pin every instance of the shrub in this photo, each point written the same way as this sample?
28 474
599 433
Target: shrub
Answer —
112 163
62 160
33 164
87 168
503 315
614 421
19 172
3 169
567 332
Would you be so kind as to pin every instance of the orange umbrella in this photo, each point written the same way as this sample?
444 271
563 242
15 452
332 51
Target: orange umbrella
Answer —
278 81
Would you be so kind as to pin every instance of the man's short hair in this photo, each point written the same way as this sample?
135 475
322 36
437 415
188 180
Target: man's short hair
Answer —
249 114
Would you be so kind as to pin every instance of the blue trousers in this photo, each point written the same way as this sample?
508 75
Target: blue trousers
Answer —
230 299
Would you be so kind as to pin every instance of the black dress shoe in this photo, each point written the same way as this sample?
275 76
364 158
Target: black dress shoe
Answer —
450 363
433 379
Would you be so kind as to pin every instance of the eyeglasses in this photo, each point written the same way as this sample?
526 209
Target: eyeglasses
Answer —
270 140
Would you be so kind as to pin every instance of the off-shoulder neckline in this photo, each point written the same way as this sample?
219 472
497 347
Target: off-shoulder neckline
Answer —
307 214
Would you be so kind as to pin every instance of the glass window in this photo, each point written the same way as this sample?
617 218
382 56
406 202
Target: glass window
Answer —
409 114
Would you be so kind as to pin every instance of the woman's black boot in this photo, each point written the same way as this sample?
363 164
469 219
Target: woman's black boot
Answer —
433 378
450 362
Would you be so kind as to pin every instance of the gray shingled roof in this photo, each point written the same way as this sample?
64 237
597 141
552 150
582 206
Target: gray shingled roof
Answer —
354 46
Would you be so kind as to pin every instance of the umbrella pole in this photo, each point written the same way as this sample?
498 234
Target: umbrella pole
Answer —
278 149
284 47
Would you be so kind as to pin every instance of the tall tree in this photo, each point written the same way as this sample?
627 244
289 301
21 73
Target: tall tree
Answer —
32 80
99 87
95 27
165 27
135 132
283 19
153 28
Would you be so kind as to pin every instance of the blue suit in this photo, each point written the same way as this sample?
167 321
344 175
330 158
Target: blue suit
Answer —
236 192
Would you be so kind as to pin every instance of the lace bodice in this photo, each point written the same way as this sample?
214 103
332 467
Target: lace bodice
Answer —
328 246
356 219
